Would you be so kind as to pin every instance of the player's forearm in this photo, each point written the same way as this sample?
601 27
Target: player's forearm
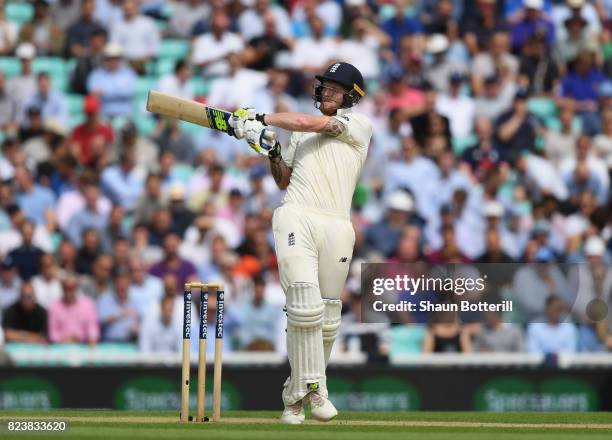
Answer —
297 121
281 172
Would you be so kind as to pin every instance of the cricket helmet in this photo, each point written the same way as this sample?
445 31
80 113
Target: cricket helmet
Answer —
345 74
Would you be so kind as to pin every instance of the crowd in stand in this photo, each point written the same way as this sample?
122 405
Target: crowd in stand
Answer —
492 144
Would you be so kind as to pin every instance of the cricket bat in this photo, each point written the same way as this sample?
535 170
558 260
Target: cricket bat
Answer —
187 110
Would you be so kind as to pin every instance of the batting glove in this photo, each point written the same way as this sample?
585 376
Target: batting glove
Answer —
250 114
262 140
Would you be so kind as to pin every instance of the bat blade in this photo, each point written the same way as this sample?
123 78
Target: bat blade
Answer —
179 108
189 111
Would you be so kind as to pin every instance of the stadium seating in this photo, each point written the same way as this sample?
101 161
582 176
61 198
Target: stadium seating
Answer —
19 12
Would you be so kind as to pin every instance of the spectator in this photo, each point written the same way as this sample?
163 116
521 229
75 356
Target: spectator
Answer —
602 143
11 238
494 251
22 86
384 235
51 103
560 145
584 154
538 71
445 334
497 336
42 31
552 336
400 95
261 320
262 50
484 155
161 333
516 129
118 315
495 61
458 108
89 217
137 34
172 263
573 39
182 217
25 320
581 85
441 67
210 50
73 318
400 25
92 136
122 182
114 231
533 21
114 83
47 285
533 284
592 281
10 285
65 12
168 133
8 34
254 22
66 256
27 256
312 53
90 59
90 248
177 83
78 35
428 124
99 281
496 97
146 290
150 201
9 108
185 15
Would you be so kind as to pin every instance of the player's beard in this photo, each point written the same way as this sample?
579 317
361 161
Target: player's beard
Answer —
329 107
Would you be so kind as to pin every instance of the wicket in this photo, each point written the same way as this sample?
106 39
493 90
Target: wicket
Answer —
205 289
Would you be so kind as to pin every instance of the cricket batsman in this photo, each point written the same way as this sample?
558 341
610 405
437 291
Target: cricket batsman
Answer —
313 233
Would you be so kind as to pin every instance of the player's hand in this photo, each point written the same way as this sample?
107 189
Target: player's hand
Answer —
261 139
249 114
238 119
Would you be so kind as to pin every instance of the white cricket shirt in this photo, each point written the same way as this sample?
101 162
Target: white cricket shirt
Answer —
326 169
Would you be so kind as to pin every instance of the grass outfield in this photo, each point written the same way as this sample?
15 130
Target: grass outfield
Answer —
238 425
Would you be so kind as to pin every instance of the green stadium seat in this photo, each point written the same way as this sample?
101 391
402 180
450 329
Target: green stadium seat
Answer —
118 122
145 125
60 83
406 339
54 66
10 66
542 107
461 143
189 128
144 84
76 119
164 66
19 12
75 103
200 86
173 48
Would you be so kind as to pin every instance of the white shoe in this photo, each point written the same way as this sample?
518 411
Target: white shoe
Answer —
293 414
320 407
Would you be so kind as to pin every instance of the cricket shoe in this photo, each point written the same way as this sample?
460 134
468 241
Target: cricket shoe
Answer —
321 408
293 414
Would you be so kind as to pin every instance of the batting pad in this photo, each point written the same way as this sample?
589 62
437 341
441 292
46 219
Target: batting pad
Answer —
305 311
331 323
